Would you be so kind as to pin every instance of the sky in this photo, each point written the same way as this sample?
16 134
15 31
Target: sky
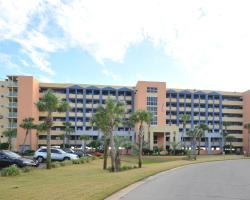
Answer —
191 44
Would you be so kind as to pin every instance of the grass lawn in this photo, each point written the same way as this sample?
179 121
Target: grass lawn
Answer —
87 181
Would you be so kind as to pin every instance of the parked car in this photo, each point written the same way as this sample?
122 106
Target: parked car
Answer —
8 158
69 150
56 154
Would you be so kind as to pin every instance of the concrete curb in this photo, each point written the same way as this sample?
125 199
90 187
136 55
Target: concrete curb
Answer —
120 194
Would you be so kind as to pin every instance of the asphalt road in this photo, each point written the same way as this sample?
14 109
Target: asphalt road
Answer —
225 180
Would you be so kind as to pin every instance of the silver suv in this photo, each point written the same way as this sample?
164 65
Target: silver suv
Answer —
56 154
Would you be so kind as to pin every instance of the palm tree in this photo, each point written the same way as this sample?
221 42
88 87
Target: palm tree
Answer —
101 122
247 126
68 130
184 119
84 139
140 117
49 103
119 142
28 125
200 134
130 124
10 133
107 118
193 134
174 146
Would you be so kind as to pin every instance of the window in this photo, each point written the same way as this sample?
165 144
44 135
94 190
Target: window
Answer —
43 150
152 108
55 151
155 139
152 89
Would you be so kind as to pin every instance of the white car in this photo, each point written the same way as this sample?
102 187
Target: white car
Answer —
56 154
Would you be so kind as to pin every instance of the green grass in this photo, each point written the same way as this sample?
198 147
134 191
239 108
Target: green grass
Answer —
86 181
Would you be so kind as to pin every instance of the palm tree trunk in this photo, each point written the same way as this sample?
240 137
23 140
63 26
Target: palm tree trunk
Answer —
105 153
112 145
199 146
183 131
24 141
117 160
9 141
129 134
64 140
230 147
194 148
140 147
49 121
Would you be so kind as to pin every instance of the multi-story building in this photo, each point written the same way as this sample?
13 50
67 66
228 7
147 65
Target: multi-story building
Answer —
20 93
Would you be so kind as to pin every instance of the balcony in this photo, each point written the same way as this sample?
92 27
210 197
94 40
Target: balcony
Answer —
12 84
12 115
12 105
12 94
12 126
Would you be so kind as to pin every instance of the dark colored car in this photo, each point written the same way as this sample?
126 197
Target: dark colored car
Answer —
69 150
8 158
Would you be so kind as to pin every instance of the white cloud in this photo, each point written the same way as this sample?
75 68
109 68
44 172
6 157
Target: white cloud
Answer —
209 40
111 74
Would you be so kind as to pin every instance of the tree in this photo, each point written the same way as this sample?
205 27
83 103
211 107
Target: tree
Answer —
200 134
68 130
10 133
130 124
49 103
174 146
247 126
28 125
230 139
84 139
119 142
141 117
184 119
107 118
101 122
193 134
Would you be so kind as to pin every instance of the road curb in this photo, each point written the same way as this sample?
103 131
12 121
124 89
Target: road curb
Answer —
120 194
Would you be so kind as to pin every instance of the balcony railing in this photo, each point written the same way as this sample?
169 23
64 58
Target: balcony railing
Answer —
12 84
12 125
12 105
12 94
12 114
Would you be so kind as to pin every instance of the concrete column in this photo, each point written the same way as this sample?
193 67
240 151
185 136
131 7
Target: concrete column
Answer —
164 141
151 140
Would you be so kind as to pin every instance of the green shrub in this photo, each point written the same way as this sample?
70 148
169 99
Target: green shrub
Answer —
76 162
12 170
93 158
4 146
27 169
124 168
66 163
55 164
82 160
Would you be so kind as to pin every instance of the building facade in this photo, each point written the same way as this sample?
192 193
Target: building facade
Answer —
18 95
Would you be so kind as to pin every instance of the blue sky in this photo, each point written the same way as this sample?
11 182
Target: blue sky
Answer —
199 45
